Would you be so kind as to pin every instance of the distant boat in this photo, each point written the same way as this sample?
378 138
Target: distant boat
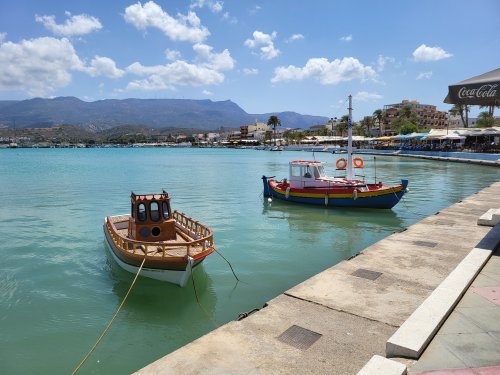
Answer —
276 148
308 183
172 242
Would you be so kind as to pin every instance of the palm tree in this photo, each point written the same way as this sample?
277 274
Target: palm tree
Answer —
459 109
378 115
491 108
367 122
485 120
342 126
274 121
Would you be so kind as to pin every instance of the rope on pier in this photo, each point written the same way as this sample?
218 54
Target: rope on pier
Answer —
110 322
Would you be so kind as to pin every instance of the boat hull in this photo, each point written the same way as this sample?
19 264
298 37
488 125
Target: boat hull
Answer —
382 197
172 272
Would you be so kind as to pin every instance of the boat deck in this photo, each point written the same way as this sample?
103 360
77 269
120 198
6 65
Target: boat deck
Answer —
173 248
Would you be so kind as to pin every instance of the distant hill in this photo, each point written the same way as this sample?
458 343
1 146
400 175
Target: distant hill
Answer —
154 113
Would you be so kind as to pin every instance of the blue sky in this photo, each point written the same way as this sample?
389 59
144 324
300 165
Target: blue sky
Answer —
268 56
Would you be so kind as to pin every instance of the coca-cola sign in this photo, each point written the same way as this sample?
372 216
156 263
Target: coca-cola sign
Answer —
484 92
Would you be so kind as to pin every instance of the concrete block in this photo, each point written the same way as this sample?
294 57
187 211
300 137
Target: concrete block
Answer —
410 340
379 365
490 218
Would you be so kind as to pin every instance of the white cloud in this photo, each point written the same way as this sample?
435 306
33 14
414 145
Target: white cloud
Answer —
206 70
214 6
424 53
347 38
81 24
41 65
364 96
229 18
326 72
207 93
383 60
425 75
216 61
104 66
294 38
172 55
250 72
183 28
265 42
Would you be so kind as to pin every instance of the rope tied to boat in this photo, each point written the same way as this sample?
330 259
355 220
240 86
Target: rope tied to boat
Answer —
110 322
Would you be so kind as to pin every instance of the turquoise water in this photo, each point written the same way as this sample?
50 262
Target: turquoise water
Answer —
58 288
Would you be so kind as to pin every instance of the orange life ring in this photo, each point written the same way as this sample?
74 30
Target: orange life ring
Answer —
358 162
341 163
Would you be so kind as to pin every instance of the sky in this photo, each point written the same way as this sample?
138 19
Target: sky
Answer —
267 56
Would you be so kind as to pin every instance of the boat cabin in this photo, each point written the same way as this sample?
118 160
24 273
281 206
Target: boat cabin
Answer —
311 174
151 218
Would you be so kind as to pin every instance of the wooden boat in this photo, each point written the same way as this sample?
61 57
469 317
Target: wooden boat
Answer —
308 183
172 243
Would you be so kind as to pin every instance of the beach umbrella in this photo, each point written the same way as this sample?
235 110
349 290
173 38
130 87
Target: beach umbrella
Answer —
483 89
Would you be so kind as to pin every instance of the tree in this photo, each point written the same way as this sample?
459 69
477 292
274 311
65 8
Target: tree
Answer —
366 123
274 121
459 109
341 127
485 120
491 108
378 116
404 126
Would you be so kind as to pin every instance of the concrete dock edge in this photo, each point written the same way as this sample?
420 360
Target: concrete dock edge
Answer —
380 365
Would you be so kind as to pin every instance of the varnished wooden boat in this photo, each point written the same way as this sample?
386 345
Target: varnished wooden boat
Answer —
172 242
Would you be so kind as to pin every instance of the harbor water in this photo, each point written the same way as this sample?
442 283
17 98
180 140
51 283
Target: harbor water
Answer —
59 287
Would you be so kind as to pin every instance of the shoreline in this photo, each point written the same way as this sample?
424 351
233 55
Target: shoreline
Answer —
337 320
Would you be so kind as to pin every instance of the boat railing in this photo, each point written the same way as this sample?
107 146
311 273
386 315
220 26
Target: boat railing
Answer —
203 239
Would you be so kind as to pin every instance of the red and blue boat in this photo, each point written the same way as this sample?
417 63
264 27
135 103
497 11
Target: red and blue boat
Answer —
308 183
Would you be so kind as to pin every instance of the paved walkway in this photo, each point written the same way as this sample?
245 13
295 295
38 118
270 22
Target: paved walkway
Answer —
341 319
469 341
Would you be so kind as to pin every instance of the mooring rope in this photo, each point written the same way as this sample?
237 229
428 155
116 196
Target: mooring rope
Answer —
110 322
407 208
199 303
230 266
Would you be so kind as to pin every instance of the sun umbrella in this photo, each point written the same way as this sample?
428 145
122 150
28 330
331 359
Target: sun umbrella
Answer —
483 89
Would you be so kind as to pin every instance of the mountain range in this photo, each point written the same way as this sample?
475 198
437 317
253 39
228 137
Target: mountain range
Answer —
154 113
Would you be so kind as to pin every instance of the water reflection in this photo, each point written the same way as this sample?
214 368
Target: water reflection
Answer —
153 301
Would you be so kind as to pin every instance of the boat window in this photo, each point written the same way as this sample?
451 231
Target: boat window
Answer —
307 172
321 170
296 171
166 213
154 211
141 212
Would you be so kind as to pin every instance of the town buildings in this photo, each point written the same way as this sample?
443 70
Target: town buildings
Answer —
428 116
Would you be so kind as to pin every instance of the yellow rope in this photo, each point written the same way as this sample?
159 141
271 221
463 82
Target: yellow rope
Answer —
110 322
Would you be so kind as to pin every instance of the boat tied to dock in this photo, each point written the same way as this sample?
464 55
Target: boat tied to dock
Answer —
308 183
170 243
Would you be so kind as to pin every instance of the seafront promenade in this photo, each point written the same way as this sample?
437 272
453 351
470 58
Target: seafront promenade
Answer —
366 306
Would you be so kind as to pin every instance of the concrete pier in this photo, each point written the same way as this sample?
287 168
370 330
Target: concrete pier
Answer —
338 320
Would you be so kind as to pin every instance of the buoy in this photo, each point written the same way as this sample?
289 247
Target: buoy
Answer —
358 162
269 199
341 163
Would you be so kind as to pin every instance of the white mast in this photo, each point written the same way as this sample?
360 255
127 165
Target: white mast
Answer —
349 141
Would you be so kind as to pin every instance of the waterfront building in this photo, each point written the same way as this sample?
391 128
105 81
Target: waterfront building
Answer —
427 115
253 131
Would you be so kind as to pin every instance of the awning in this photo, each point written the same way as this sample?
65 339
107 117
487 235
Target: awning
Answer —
480 90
